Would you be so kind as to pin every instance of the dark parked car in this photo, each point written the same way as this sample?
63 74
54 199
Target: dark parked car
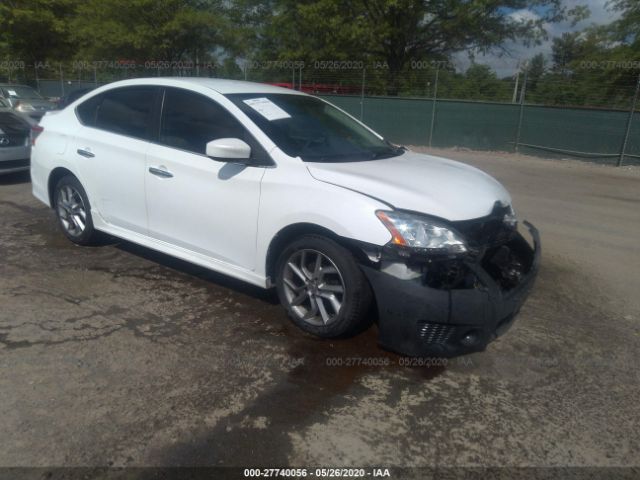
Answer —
15 139
26 100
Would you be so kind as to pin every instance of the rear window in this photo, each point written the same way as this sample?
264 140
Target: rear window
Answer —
11 123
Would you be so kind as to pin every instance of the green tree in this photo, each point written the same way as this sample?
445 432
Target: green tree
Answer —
398 31
36 30
481 83
536 69
143 30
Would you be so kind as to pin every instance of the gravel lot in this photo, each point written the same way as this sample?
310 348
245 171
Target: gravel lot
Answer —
116 355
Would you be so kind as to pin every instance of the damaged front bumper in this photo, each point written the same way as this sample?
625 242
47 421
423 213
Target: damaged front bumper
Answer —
450 307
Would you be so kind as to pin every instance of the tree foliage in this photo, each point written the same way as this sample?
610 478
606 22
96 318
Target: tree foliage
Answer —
398 31
584 67
143 30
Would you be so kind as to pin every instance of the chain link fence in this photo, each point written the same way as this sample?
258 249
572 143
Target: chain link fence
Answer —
589 113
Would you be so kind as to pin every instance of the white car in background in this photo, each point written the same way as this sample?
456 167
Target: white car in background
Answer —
279 188
15 139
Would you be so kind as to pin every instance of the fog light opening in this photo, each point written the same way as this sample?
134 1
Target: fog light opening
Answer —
470 339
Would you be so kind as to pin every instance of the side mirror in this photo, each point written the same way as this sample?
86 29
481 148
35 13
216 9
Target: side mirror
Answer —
231 150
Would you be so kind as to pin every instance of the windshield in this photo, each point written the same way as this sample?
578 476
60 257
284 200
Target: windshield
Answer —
19 91
306 127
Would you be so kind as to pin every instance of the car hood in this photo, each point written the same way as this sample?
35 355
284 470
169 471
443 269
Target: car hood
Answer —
422 183
38 103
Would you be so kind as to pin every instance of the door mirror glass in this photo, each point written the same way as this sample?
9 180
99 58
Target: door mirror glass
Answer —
229 150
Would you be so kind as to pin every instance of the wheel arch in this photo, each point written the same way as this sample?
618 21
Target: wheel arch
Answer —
54 177
289 233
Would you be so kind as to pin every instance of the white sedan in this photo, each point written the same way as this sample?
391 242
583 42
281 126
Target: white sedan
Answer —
278 188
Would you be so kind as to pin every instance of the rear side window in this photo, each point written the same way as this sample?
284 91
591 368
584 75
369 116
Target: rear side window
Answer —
126 111
86 111
190 121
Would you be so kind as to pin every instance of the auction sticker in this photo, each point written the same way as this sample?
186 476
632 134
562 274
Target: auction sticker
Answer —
267 108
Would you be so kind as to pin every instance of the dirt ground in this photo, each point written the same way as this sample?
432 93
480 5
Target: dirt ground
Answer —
116 355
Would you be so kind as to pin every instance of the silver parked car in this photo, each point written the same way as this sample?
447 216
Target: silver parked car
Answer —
26 100
15 139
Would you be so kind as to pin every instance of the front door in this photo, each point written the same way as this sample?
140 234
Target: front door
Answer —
195 202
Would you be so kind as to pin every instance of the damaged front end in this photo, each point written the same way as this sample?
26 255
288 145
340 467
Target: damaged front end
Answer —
447 303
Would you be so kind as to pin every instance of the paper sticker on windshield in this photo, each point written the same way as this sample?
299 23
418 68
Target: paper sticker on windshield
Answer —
12 93
267 108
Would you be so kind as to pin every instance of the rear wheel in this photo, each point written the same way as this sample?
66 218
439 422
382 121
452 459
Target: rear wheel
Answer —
322 287
74 211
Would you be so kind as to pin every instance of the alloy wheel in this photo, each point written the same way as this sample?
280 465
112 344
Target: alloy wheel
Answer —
313 287
71 210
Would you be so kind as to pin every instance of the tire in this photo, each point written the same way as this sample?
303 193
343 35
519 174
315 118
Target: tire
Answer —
299 288
73 211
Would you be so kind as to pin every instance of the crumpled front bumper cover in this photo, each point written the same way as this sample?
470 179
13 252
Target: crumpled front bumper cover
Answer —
417 320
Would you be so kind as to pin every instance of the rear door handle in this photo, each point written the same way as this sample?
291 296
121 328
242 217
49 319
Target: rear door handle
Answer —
160 172
85 152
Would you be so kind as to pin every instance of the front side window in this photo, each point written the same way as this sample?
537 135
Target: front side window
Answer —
126 111
190 121
306 127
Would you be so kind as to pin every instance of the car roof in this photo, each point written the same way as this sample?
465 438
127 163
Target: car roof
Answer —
220 85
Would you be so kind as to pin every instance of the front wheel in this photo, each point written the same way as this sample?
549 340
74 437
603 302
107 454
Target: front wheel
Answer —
322 287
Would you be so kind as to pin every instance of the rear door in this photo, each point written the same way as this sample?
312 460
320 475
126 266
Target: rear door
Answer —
195 202
111 147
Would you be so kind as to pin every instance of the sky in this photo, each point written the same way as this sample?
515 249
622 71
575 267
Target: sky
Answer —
508 65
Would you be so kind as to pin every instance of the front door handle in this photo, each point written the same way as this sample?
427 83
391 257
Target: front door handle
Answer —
160 172
85 152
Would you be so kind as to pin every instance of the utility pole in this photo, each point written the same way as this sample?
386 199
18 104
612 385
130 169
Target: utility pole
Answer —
300 78
515 88
623 149
61 80
364 73
522 97
433 105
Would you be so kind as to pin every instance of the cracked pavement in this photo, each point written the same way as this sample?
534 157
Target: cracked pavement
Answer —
117 355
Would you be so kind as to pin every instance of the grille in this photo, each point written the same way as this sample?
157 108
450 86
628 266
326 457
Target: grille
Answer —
14 141
489 230
435 332
24 162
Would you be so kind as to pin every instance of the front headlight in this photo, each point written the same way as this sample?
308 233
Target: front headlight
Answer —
421 233
25 107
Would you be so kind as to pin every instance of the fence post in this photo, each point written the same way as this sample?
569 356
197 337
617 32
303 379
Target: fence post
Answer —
364 73
61 80
522 97
433 105
623 149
